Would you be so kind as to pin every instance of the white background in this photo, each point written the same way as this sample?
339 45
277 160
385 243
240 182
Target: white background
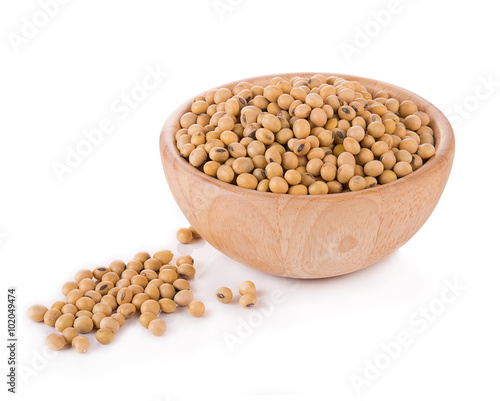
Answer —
115 202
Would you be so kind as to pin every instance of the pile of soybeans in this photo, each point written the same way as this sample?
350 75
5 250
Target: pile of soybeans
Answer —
319 135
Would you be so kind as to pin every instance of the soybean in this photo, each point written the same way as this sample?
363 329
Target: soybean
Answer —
186 271
164 256
110 323
104 336
84 324
55 341
80 344
69 334
246 287
248 300
127 310
184 259
146 318
184 236
181 284
150 306
167 305
196 308
65 321
183 298
36 313
50 317
157 327
224 295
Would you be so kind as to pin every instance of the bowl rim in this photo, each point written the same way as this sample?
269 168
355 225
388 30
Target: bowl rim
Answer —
443 133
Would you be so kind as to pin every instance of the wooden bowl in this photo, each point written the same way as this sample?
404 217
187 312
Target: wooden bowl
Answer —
310 236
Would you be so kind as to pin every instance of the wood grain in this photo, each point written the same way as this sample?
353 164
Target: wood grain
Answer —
306 236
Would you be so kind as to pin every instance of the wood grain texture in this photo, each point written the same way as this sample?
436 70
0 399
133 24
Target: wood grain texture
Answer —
306 236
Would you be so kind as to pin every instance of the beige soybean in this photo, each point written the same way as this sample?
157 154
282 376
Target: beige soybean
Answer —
426 151
69 286
417 162
150 306
55 341
167 290
97 317
119 318
247 180
110 299
164 256
186 271
140 281
36 313
167 305
84 324
85 303
157 327
224 295
196 308
155 283
318 188
142 256
387 177
152 264
139 299
69 334
80 344
246 287
136 289
104 336
344 173
58 305
373 168
402 169
99 272
110 323
50 317
127 310
81 274
146 318
103 287
181 284
168 275
73 296
84 313
64 321
184 259
124 296
357 183
278 185
184 236
183 298
117 266
135 265
149 274
248 300
152 292
94 295
103 307
128 274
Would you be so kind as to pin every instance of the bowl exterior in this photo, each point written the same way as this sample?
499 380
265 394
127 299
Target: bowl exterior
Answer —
310 236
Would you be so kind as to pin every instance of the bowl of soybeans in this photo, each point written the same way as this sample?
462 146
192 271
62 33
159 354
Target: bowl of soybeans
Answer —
307 175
